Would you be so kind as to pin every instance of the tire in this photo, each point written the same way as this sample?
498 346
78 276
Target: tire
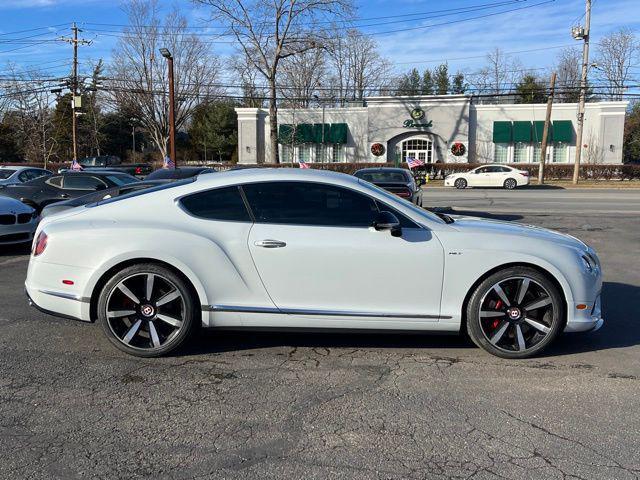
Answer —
151 327
510 184
460 183
525 325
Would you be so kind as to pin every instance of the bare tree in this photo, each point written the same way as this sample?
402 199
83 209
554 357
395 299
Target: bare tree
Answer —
270 31
29 101
616 54
498 76
139 73
302 76
568 69
247 74
357 65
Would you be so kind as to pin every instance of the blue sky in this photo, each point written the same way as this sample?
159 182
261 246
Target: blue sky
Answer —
461 40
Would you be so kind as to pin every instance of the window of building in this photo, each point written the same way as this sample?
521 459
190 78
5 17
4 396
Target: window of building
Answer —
338 153
537 152
419 148
304 203
223 204
304 152
521 152
560 152
287 153
501 153
322 152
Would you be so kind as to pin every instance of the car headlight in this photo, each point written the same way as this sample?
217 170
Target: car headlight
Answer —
448 177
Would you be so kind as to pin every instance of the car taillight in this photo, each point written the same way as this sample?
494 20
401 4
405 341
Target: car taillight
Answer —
40 244
524 174
138 170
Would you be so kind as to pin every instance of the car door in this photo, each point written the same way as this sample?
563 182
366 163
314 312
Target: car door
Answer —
74 186
316 253
477 177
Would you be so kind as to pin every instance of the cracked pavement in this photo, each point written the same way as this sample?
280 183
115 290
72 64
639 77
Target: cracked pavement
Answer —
302 405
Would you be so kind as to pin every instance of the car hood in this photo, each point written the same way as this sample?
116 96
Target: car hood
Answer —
11 205
480 225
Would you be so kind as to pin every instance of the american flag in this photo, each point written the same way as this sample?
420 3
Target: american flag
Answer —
303 164
414 162
75 166
168 163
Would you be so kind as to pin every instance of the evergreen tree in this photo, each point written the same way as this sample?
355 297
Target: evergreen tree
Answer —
409 84
427 83
530 90
441 78
458 85
214 131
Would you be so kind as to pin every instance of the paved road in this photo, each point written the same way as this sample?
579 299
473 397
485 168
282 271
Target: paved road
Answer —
535 200
328 406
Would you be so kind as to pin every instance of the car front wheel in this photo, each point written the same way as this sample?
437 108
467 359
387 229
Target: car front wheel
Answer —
515 313
460 183
146 310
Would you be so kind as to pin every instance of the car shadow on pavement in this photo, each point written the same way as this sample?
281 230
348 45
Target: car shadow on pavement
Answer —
14 250
621 302
620 307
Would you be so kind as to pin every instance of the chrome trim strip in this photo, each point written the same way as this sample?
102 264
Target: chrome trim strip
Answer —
67 296
328 313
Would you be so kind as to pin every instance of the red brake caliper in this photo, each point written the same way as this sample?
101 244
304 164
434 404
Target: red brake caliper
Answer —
496 322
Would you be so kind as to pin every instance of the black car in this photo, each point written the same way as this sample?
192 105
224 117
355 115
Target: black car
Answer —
178 173
43 191
92 197
395 180
111 163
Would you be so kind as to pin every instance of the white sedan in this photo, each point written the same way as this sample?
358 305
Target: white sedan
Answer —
290 248
489 176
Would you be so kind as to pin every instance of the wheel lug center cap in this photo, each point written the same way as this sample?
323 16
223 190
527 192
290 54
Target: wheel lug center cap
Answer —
147 310
514 313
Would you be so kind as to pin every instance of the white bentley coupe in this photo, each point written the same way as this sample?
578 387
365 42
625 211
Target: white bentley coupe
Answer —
290 248
489 176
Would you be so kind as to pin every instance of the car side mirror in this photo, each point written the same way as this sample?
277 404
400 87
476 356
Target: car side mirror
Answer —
388 221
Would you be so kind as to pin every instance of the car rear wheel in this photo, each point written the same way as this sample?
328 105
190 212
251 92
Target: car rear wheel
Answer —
460 183
515 313
146 310
510 184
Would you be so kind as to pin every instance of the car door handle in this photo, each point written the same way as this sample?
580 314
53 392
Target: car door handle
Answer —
270 244
64 195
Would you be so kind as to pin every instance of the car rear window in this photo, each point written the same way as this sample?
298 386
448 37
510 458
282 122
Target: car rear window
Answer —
6 173
383 177
143 191
223 204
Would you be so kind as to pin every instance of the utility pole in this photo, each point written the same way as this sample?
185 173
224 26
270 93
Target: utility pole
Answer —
172 105
545 132
582 34
76 102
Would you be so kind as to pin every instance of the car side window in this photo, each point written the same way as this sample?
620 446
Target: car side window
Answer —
482 170
55 181
24 176
505 170
223 204
307 203
82 182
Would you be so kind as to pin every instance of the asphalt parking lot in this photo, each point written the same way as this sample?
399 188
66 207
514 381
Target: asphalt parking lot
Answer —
273 405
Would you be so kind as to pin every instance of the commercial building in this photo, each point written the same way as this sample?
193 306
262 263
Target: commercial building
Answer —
451 128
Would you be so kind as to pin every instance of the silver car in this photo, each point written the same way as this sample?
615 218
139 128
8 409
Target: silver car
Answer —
11 175
17 221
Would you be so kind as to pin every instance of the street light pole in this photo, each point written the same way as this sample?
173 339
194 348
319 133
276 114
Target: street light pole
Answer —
172 118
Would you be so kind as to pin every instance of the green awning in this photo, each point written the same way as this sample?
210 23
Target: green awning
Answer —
321 132
522 132
563 131
284 134
538 129
502 132
304 133
337 133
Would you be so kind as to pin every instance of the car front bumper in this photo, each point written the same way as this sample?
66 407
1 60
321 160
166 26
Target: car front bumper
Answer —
588 319
17 233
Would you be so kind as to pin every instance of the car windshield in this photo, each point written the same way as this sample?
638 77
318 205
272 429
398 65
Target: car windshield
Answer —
6 173
382 177
122 179
88 162
406 203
